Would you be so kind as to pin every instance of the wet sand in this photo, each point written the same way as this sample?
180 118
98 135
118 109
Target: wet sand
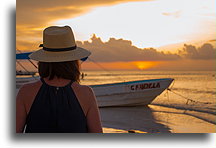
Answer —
132 118
153 119
183 121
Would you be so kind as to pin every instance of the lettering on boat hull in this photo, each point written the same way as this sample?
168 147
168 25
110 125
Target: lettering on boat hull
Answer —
145 86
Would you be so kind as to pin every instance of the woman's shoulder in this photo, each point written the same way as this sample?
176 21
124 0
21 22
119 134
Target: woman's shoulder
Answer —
83 92
82 88
85 95
29 88
30 85
27 92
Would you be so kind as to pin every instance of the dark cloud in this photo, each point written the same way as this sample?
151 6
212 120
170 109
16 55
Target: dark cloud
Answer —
123 50
205 52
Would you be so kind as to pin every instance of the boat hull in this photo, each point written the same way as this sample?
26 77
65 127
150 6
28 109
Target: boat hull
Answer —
130 93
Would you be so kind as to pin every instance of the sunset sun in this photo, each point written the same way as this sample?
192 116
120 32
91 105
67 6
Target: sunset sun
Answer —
142 65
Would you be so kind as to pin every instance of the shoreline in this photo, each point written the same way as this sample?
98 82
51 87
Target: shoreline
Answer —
155 119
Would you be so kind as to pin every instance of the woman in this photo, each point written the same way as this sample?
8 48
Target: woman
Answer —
57 103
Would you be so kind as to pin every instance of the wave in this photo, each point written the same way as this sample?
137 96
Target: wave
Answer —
194 90
206 115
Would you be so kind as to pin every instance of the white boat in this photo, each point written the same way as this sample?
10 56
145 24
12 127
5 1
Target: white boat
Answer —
131 93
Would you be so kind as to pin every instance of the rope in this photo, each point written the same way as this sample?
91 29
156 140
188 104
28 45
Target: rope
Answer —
188 99
28 59
105 69
22 66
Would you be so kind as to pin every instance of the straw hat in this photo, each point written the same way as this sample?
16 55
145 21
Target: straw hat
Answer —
59 46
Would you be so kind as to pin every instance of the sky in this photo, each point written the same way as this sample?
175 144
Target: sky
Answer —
128 35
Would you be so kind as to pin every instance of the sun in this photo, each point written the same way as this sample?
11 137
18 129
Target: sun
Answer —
145 64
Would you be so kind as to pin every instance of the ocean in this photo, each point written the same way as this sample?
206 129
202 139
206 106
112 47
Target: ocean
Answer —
192 98
188 107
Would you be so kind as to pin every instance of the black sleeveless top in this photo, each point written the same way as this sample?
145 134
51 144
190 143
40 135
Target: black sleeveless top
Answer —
56 110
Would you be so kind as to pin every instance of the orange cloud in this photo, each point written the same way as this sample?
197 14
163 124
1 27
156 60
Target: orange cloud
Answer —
109 66
135 65
187 65
33 16
180 65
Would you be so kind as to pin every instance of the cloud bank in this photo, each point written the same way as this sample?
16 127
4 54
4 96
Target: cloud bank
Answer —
205 52
116 50
120 54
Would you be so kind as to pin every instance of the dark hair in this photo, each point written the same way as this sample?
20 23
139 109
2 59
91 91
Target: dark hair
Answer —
66 70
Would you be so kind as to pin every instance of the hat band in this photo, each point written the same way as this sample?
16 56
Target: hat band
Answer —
58 49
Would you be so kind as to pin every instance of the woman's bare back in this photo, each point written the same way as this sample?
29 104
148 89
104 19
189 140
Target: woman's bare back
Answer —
84 95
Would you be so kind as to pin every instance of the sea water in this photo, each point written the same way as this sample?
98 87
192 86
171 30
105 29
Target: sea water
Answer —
193 93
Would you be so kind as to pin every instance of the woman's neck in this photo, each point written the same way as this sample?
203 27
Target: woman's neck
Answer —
57 81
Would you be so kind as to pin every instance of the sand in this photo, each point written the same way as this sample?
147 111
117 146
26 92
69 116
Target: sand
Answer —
153 119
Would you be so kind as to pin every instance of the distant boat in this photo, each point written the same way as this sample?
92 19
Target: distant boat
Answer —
131 93
24 73
25 79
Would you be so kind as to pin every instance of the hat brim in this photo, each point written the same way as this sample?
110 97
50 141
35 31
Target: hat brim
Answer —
63 56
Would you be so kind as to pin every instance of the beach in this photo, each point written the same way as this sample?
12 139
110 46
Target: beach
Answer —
152 119
169 112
